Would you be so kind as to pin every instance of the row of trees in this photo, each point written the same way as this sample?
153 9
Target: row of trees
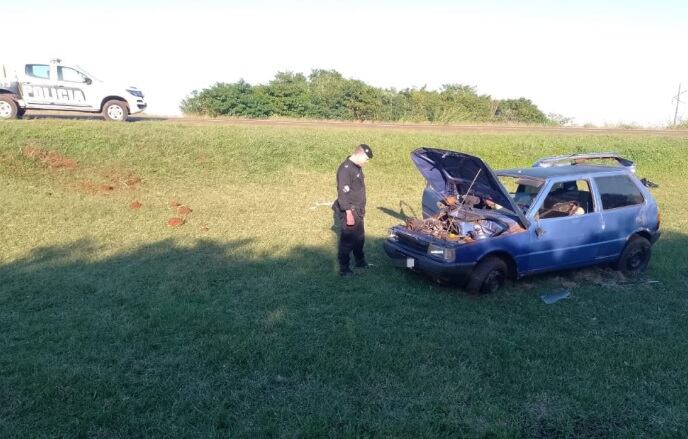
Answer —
326 94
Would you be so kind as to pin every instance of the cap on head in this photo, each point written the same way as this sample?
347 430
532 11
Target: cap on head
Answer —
366 149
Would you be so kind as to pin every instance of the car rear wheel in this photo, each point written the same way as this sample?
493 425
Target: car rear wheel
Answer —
635 257
116 111
8 107
488 276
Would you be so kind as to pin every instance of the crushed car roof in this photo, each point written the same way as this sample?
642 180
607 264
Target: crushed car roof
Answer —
559 171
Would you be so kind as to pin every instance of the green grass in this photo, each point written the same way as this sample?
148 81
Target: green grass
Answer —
236 324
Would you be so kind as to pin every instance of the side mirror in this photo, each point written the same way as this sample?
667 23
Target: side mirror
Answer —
88 81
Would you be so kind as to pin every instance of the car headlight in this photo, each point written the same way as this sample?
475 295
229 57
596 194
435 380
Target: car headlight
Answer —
133 92
392 235
441 252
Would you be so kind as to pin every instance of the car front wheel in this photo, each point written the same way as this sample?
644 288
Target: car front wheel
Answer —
488 276
115 110
635 257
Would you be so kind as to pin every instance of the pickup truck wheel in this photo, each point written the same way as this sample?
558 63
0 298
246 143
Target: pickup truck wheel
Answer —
635 257
116 111
8 107
488 276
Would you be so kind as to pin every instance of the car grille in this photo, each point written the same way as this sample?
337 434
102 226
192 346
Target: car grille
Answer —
413 243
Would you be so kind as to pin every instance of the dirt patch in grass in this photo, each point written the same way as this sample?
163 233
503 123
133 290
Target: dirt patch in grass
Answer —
180 208
49 159
112 180
94 188
123 178
135 204
175 222
184 210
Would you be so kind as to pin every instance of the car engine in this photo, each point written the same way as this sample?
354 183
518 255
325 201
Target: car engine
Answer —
458 224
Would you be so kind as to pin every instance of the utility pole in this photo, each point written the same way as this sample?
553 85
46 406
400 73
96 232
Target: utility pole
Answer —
677 98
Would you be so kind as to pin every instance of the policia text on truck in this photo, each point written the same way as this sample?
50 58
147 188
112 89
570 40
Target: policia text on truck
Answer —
57 86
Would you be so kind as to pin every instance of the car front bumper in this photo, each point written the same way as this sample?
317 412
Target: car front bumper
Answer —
445 271
136 104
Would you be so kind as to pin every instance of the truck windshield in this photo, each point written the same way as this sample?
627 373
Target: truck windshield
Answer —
522 190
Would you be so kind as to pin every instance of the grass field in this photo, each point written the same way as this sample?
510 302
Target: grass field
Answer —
113 324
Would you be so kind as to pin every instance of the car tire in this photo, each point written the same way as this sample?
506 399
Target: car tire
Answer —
8 107
115 110
488 276
635 256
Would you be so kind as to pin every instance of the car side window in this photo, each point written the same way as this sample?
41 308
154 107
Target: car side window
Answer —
41 71
69 75
569 198
618 191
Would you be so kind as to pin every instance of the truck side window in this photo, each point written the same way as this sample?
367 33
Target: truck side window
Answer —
69 75
41 71
618 191
569 198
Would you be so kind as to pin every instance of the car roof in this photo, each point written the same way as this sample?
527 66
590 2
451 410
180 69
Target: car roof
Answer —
560 171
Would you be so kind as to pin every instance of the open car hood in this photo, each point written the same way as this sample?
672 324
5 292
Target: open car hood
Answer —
445 170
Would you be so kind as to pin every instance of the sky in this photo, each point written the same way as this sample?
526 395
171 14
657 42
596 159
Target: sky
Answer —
600 62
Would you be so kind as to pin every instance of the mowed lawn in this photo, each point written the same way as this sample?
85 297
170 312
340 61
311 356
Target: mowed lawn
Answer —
235 324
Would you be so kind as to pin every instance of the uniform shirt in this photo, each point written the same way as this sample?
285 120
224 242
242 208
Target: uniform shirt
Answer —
351 192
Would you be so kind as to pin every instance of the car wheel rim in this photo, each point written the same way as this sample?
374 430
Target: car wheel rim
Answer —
115 112
636 260
5 110
493 280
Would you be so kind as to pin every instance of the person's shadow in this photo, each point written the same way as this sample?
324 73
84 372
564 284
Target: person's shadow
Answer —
401 215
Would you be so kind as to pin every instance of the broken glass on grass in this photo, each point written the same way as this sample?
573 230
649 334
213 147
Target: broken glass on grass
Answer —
555 297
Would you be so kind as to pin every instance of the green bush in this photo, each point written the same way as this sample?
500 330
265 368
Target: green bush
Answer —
520 110
326 94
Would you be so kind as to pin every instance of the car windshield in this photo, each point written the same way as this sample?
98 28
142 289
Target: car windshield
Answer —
522 190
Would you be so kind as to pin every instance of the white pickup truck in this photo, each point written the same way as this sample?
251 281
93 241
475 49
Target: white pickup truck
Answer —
56 86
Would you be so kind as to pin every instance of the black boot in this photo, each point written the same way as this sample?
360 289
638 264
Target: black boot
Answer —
345 272
362 264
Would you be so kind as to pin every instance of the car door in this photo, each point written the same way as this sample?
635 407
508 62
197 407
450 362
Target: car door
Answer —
36 84
622 212
73 88
566 227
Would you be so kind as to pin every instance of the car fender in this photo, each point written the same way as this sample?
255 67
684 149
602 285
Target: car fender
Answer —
645 233
513 248
113 98
511 262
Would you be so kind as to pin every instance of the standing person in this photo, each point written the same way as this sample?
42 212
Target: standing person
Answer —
350 208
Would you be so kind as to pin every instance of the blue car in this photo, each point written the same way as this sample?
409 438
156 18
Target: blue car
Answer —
480 227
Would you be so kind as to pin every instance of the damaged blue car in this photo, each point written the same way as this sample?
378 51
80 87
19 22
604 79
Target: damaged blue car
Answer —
480 227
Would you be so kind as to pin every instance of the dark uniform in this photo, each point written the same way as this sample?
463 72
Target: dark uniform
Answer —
351 195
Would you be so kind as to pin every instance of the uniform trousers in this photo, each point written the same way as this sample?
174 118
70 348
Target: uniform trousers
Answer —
351 239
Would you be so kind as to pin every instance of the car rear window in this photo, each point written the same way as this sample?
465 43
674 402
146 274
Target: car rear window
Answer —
41 71
618 191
